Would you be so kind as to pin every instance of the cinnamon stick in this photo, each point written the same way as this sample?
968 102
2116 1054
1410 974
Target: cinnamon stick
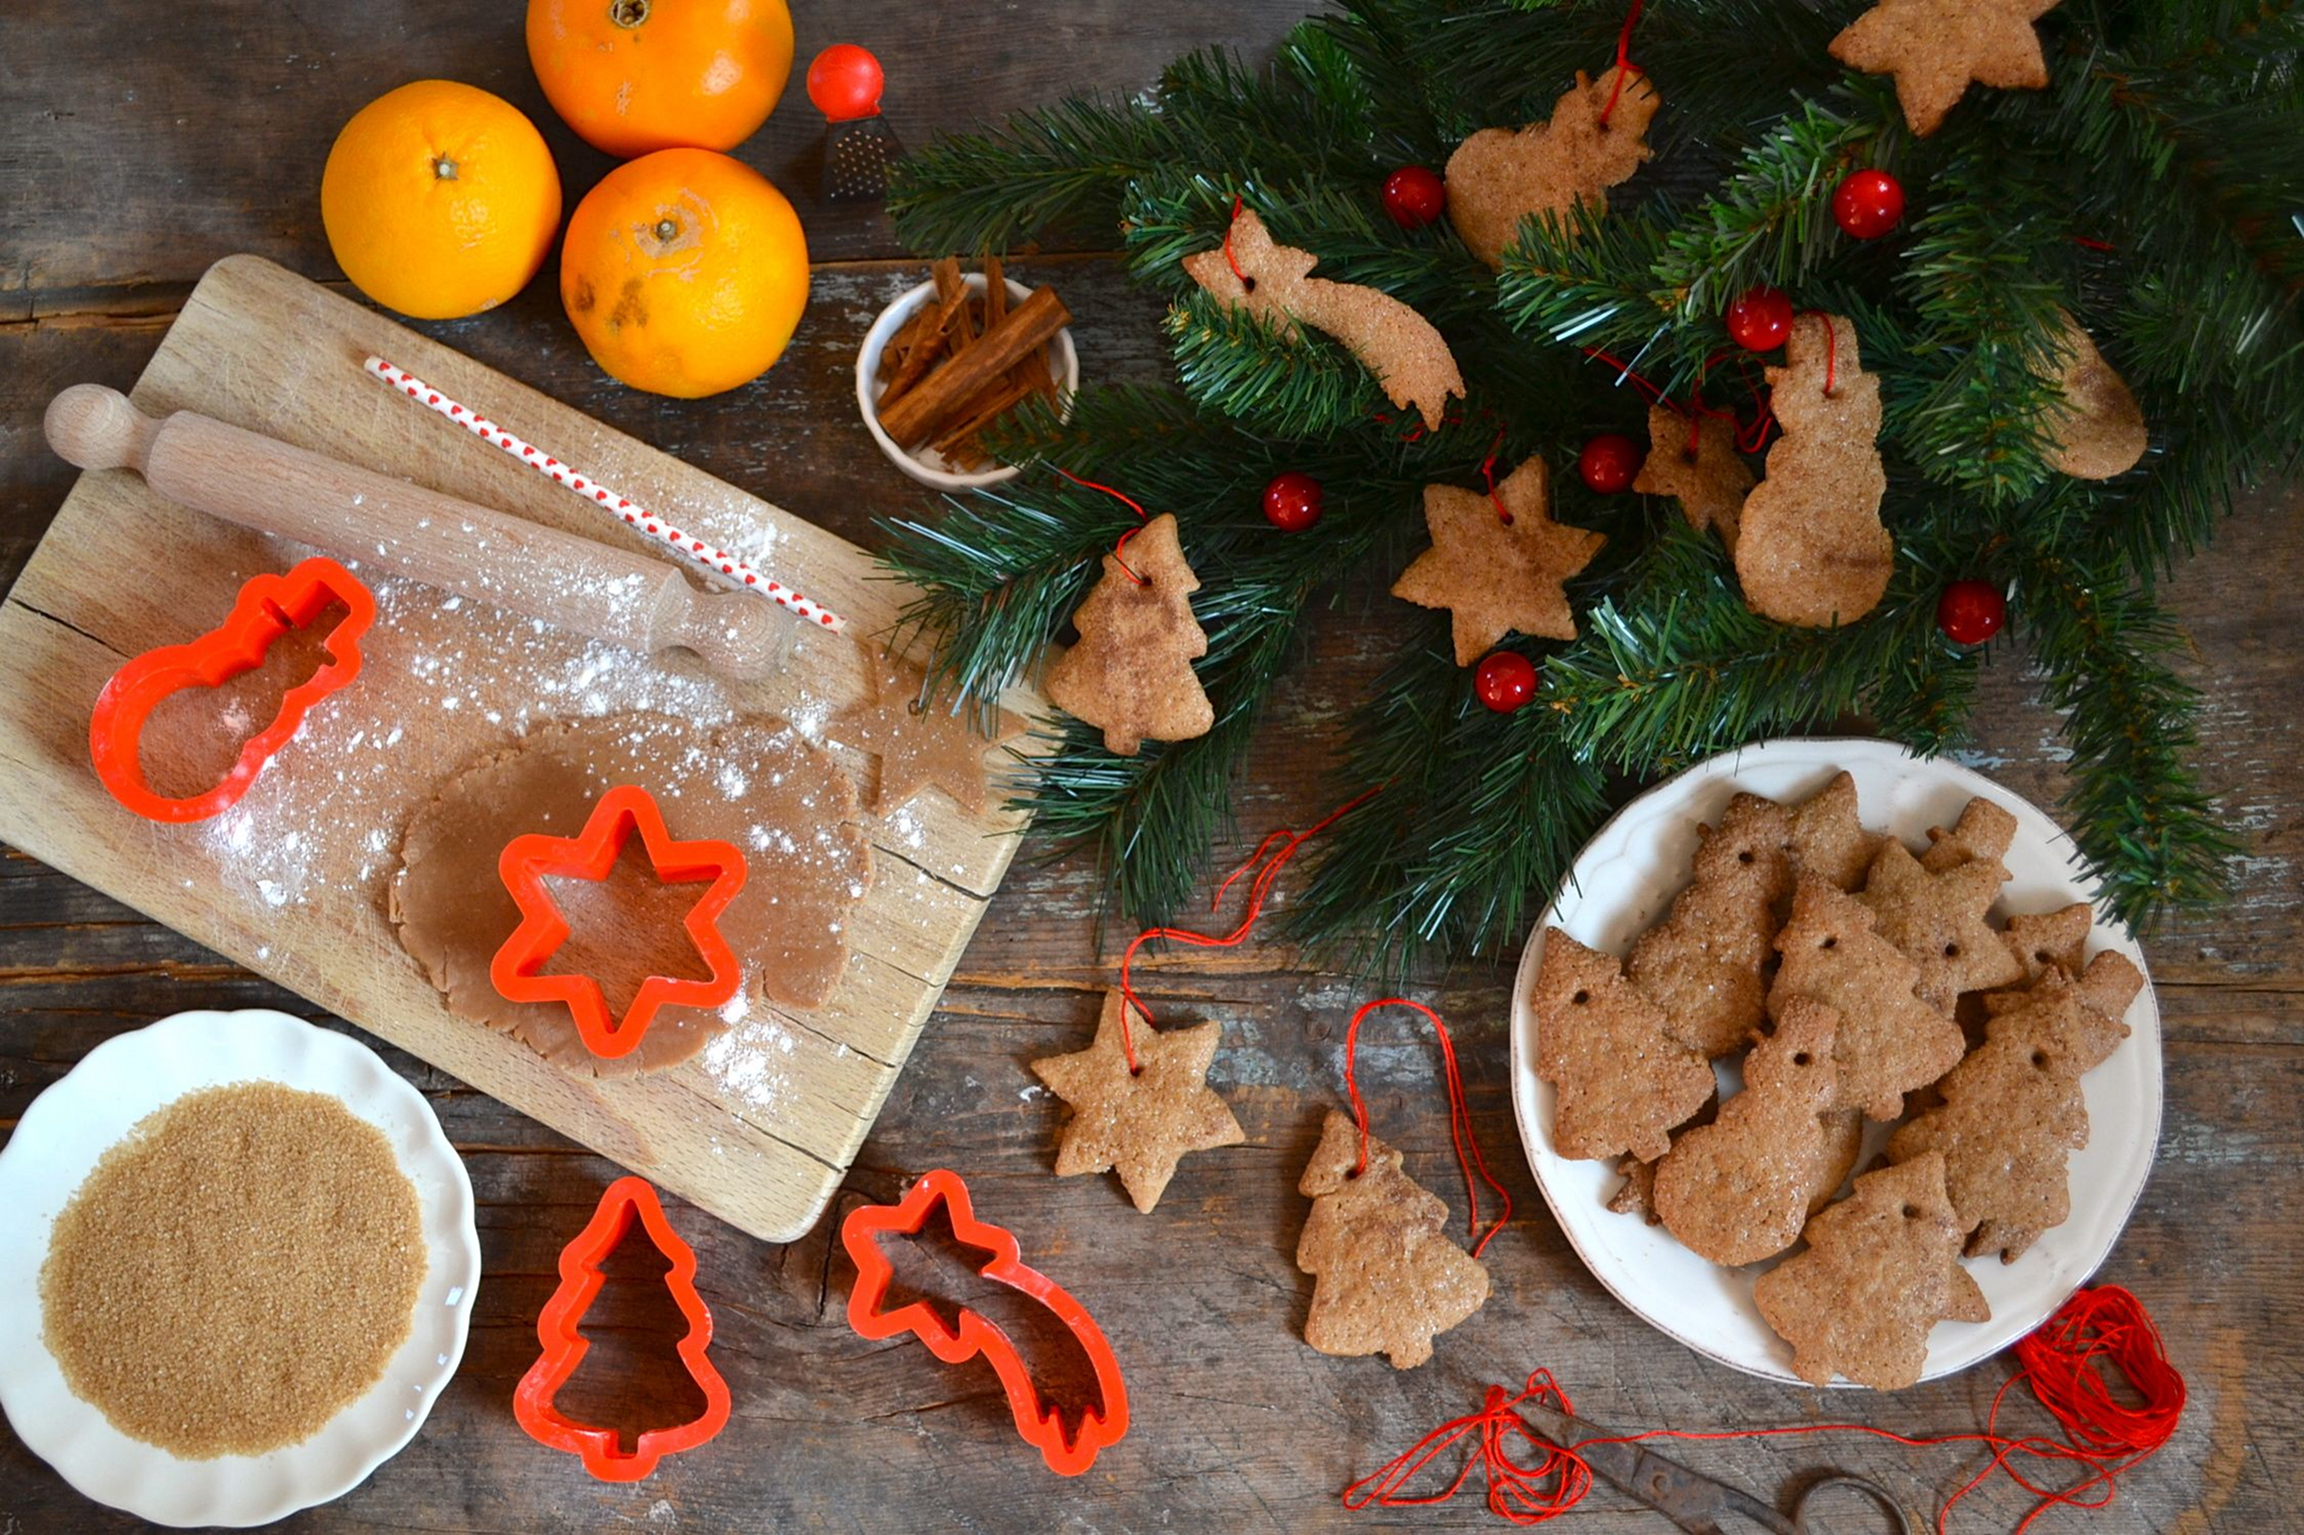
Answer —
934 403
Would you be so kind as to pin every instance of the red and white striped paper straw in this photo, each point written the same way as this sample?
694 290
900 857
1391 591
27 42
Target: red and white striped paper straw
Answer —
694 548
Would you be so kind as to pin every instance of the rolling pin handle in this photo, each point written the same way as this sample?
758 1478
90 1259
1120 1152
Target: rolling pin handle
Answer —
92 427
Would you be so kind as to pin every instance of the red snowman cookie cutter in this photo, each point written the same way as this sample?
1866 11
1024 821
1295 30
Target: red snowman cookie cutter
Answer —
528 860
267 608
1041 1426
564 1346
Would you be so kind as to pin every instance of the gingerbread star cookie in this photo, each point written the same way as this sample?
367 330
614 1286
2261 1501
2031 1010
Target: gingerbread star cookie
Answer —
1140 1124
918 748
1705 474
1939 920
1937 48
1498 569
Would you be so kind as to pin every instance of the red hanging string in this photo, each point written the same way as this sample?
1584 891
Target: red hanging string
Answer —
1229 259
2064 1362
1624 65
1459 1121
1282 844
1488 477
1120 549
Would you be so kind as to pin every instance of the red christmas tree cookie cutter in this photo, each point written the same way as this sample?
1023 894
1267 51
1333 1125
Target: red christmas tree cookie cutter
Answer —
1041 1426
527 860
564 1346
267 608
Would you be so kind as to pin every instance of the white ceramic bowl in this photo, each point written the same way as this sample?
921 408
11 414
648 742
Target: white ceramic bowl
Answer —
1622 882
927 465
59 1140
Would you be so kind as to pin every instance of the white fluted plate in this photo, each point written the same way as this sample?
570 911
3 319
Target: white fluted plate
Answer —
59 1141
1622 883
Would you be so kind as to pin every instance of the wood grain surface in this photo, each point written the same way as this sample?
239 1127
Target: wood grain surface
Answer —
147 139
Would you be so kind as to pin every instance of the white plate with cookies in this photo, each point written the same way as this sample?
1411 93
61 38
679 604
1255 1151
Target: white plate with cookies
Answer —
60 1142
1625 881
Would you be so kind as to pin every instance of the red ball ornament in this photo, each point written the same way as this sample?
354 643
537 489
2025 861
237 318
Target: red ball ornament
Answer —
1759 319
1505 681
1292 501
845 83
1414 196
1868 204
1971 612
1608 462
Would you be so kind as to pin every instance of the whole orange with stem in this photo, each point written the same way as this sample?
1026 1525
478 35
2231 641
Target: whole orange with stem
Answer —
635 76
685 272
440 200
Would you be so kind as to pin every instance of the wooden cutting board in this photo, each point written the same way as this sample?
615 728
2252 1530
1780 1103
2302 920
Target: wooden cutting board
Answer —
292 883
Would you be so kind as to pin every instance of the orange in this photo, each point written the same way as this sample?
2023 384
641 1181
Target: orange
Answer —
440 200
632 76
685 272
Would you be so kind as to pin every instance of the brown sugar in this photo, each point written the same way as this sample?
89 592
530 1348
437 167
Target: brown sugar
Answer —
235 1272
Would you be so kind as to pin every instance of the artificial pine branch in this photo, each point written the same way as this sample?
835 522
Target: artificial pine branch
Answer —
2149 191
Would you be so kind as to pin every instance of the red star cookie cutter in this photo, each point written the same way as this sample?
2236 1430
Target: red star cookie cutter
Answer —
564 1346
267 608
1041 1426
525 863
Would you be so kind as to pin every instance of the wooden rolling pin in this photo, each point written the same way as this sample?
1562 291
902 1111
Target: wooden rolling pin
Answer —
569 581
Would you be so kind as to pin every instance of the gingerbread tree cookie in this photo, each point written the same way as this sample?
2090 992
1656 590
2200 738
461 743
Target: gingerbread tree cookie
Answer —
1828 841
1939 921
1889 1041
1139 1123
1937 48
1408 356
1702 964
1737 1190
2097 430
1131 674
1498 176
919 749
2011 1116
1623 1081
1386 1276
1498 568
1703 471
1810 547
1881 1269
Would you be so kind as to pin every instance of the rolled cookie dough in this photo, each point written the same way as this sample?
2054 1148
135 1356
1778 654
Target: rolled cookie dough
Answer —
758 784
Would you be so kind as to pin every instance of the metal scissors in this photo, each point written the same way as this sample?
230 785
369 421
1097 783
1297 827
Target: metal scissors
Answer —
1693 1502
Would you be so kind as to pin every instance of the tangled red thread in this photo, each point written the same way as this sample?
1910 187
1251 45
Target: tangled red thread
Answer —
1270 857
1120 549
1459 1121
2065 1362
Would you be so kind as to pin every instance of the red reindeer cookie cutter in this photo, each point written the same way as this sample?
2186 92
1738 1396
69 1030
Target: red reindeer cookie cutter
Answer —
590 854
267 608
1041 1426
564 1346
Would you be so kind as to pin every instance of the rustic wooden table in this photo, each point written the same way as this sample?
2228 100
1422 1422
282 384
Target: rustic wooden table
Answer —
141 141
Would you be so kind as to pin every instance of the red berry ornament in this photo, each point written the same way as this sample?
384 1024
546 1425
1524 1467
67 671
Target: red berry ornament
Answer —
845 83
1868 204
1971 612
1292 501
1414 196
1609 462
1760 319
1505 681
